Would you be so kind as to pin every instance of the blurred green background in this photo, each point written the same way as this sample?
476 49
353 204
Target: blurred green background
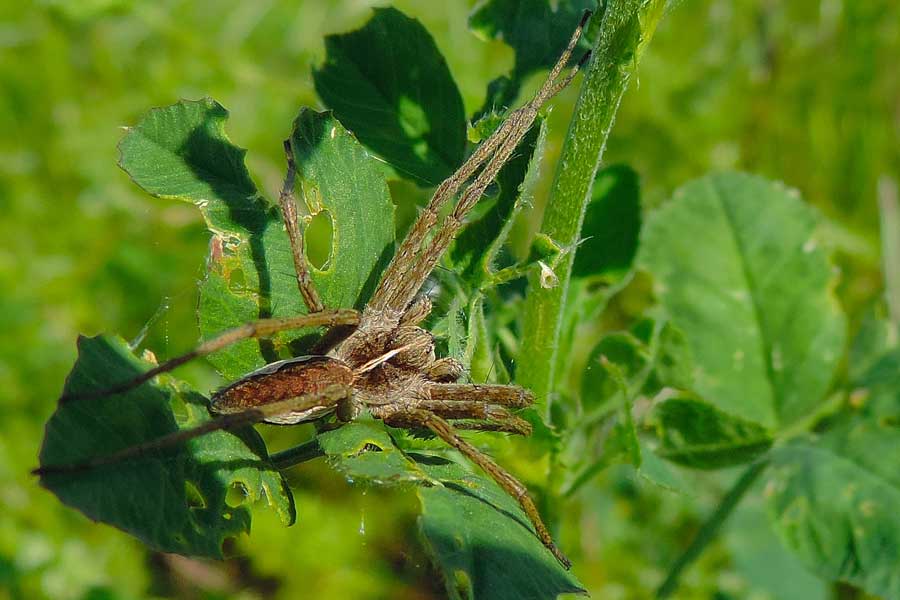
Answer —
806 91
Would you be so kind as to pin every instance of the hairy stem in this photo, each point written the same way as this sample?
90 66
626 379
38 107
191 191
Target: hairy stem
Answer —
711 527
625 31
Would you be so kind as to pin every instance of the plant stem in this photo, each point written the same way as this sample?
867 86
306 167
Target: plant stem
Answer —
711 527
296 455
625 31
889 210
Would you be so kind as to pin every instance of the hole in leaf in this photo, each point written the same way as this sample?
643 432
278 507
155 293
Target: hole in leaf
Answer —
368 447
193 496
237 494
319 238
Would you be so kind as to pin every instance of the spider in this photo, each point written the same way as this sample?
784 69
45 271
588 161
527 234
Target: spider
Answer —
378 359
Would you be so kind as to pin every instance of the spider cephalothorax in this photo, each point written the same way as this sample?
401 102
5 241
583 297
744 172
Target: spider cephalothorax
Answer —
378 359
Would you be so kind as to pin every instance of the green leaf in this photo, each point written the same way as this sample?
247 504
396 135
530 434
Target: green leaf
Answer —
833 500
364 452
537 31
476 533
390 85
740 273
187 499
181 151
481 539
612 224
598 386
696 434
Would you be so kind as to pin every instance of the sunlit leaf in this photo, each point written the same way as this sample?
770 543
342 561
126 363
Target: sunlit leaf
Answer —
739 270
187 499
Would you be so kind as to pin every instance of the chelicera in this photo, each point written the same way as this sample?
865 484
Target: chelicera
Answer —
379 359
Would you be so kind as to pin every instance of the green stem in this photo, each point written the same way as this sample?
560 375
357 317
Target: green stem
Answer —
296 455
889 209
626 29
711 527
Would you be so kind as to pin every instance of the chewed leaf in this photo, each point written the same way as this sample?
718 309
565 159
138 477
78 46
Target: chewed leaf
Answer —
364 452
186 499
182 152
739 270
390 85
481 539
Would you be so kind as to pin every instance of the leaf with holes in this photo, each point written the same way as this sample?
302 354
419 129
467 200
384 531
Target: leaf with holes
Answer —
390 85
738 268
181 151
187 499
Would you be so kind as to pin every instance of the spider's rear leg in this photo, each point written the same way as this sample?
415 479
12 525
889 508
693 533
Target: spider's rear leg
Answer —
510 484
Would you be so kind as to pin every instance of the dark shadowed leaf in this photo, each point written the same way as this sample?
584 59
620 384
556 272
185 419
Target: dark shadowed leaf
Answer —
537 30
612 224
695 434
187 499
475 532
833 500
481 539
739 270
390 85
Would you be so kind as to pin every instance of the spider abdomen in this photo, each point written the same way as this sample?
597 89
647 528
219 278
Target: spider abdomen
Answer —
284 380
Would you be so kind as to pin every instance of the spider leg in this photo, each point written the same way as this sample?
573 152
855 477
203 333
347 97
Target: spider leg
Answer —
254 329
415 259
512 424
503 395
510 484
289 213
478 416
327 397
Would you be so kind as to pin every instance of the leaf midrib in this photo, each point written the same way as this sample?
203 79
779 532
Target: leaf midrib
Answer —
765 342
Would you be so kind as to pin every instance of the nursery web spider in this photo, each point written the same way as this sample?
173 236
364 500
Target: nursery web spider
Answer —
387 363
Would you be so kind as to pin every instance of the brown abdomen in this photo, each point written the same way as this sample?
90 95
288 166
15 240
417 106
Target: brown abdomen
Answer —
280 381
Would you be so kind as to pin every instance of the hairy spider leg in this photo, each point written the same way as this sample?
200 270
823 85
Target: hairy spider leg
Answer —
327 397
255 329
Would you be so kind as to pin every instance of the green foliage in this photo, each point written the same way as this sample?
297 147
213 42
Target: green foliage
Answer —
644 401
696 434
187 499
390 85
742 274
537 31
833 499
